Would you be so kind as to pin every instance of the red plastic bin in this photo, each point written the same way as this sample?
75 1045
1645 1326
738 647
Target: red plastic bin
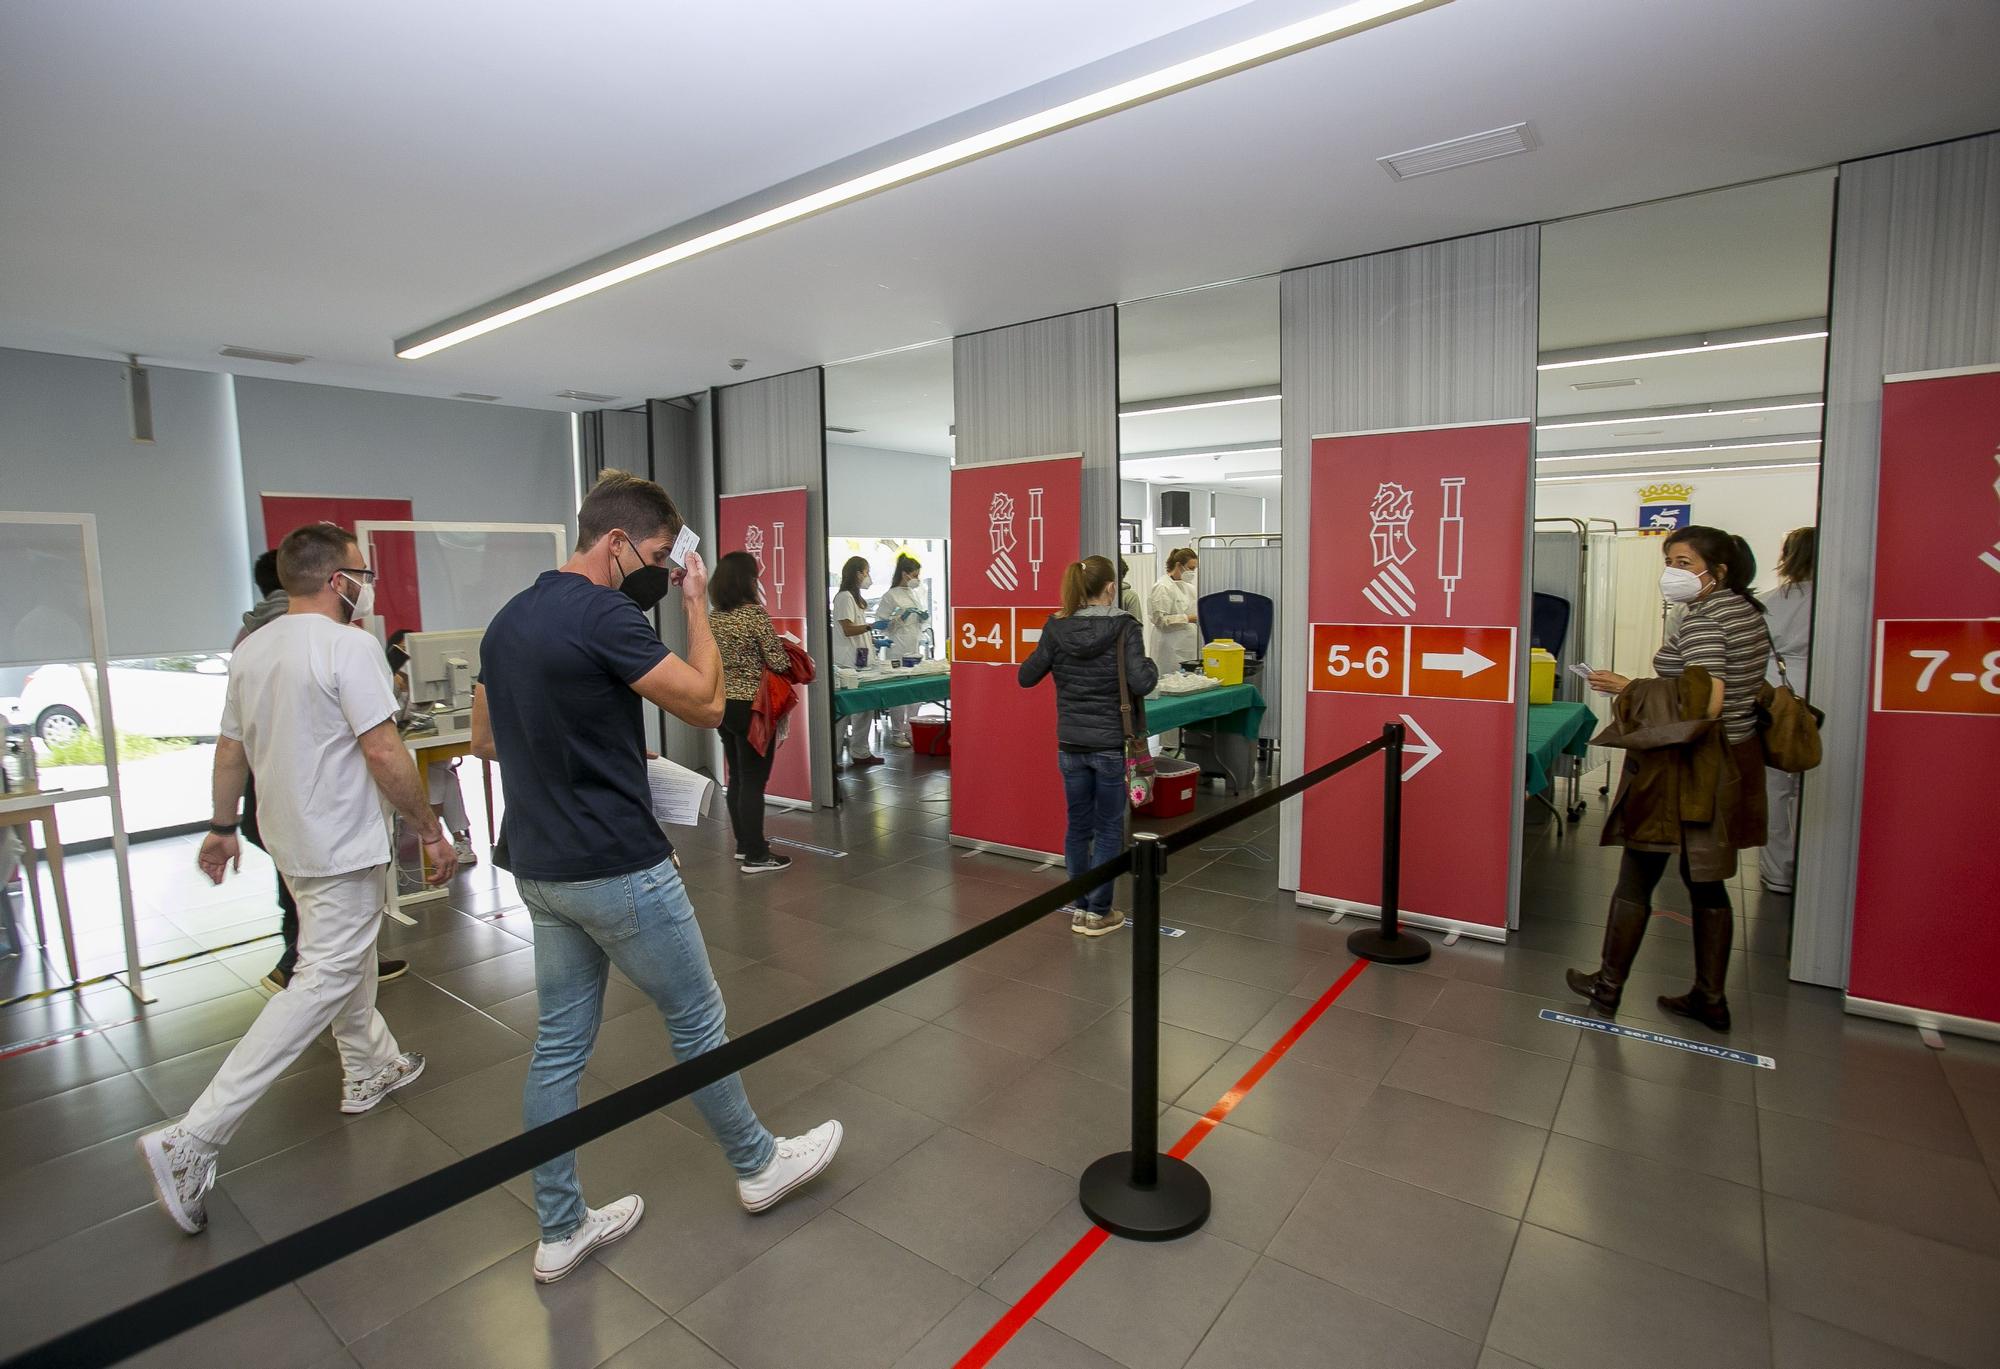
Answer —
930 736
1174 783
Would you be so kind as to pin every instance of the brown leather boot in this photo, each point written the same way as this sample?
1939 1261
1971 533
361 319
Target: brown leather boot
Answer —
1705 1002
1623 932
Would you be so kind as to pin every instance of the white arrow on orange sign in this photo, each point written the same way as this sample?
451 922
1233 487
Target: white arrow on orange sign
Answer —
1465 661
1425 748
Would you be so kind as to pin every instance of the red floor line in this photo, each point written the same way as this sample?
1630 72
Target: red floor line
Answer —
57 1038
1063 1270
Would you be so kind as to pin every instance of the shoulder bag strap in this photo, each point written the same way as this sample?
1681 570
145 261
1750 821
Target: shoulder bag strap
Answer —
1124 689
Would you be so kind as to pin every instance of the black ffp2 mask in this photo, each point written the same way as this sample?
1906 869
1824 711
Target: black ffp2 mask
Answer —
646 586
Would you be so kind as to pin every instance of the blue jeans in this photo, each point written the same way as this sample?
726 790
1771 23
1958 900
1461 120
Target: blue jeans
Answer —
1094 784
644 924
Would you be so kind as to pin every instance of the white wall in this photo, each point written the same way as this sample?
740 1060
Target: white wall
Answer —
454 460
170 527
875 493
1758 506
1209 511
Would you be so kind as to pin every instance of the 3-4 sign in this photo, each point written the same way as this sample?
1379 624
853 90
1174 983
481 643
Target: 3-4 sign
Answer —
1938 665
985 635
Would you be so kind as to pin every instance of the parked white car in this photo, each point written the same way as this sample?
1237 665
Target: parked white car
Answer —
169 696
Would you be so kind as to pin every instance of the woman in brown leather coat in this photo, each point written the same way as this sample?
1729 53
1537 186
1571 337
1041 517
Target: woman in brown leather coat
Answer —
1693 781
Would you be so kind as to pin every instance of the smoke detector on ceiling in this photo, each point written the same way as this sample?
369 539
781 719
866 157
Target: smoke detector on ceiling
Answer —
474 394
1457 152
585 396
1605 384
259 354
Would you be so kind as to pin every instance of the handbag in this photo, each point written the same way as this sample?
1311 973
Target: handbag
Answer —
1788 724
1138 756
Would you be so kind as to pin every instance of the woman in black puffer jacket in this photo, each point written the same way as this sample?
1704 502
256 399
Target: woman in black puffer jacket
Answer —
1080 646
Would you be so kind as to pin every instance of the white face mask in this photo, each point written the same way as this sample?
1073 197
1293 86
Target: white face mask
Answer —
1679 586
363 604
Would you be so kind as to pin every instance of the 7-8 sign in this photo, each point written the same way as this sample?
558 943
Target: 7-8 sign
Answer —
1938 665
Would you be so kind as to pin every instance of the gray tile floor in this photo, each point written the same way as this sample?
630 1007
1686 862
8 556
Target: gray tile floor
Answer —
1433 1176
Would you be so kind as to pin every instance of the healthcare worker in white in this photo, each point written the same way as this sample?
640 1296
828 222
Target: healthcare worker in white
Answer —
902 607
1788 615
853 628
1172 631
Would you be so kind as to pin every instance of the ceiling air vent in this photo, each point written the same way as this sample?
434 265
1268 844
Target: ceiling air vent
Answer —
1604 384
474 394
1478 147
830 428
585 396
259 354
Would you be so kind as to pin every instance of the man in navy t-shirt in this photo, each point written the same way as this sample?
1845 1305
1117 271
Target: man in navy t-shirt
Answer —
564 667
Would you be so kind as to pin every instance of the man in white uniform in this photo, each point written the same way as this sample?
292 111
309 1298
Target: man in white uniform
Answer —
311 709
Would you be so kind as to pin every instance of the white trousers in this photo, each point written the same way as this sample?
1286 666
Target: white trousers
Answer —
856 729
333 986
442 776
1777 863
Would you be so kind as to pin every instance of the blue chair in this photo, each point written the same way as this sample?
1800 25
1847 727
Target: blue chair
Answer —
1548 623
1245 618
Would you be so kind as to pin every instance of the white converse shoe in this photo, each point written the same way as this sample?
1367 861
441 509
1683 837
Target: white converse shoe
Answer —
361 1095
600 1226
800 1160
183 1171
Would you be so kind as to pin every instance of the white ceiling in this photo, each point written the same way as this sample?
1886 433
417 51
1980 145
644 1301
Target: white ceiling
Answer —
183 175
900 401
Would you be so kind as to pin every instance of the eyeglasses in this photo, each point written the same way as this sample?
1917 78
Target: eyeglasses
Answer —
361 573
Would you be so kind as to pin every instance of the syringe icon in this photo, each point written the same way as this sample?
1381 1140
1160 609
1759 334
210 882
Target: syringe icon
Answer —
1451 537
778 561
1035 546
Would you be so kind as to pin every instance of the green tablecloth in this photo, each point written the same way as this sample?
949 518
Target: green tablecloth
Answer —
880 694
1231 708
1556 730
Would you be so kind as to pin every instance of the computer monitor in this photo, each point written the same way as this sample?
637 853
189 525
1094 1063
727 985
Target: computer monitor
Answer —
442 668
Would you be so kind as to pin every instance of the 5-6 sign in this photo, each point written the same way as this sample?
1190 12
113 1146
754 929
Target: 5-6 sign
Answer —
1360 658
1938 665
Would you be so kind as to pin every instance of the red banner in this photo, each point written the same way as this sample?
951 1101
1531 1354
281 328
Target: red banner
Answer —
398 597
771 526
1416 558
1925 936
1015 527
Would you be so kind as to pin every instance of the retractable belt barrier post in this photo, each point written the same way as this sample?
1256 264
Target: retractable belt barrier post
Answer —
1138 1193
1389 943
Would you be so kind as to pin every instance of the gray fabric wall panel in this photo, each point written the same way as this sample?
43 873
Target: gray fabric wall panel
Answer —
676 463
1444 333
772 435
1046 388
1916 287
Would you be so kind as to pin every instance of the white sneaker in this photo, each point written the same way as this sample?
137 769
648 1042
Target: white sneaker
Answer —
360 1095
462 845
800 1160
601 1226
902 742
183 1171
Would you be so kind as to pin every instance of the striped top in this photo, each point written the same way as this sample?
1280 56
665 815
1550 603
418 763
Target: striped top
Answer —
1723 634
748 644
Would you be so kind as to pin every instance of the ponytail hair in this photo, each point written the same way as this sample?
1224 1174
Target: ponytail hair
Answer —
1179 557
905 563
1729 558
850 578
1083 581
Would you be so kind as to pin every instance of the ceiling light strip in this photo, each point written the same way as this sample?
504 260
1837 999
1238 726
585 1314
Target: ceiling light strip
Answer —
1683 344
1180 404
1680 470
1202 455
1627 453
1325 27
1642 416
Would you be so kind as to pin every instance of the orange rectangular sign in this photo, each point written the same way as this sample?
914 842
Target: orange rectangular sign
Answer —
985 635
1360 658
1462 663
1937 665
1028 624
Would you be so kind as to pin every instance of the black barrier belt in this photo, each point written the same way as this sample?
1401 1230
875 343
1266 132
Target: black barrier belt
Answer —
173 1310
1182 838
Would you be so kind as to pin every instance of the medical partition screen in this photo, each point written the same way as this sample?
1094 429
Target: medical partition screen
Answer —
1413 612
1015 527
1926 941
771 526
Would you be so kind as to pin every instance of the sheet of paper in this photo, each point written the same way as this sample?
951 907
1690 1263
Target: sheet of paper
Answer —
680 795
685 544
